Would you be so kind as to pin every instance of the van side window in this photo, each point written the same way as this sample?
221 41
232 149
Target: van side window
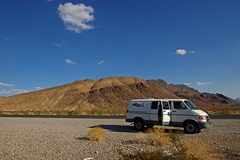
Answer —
165 105
154 105
179 105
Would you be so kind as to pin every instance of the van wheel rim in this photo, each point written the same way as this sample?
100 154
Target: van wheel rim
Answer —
190 127
138 125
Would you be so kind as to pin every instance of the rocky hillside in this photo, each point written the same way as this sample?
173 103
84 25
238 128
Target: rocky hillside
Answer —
206 101
104 96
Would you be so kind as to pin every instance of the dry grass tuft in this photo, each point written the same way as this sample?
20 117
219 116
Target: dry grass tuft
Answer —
200 149
156 137
96 134
190 149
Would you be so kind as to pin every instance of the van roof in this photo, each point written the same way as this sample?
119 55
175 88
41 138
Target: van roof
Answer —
153 99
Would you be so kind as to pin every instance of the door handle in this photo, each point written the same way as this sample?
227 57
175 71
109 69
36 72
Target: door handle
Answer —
174 111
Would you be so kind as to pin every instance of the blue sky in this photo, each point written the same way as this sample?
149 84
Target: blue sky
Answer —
46 43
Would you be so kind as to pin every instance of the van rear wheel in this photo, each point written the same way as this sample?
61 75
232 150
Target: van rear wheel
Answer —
138 125
191 128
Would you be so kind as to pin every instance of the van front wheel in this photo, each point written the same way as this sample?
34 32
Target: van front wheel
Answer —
191 128
138 125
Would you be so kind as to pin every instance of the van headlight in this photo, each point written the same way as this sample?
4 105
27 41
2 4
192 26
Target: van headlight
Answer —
202 117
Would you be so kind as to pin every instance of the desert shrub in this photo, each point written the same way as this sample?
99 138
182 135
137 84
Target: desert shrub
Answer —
191 149
156 155
199 148
154 136
143 155
96 134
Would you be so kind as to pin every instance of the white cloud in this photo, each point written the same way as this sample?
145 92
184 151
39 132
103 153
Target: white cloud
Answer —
69 61
13 91
6 85
76 17
181 51
188 84
184 52
100 62
38 88
200 84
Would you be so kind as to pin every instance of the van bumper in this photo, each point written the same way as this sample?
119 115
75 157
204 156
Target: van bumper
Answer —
207 124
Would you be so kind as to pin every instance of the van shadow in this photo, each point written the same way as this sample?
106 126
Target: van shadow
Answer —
131 129
116 128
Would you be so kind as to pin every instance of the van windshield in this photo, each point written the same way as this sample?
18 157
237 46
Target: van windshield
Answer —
191 105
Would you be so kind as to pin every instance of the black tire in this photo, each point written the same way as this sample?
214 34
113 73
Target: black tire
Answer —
138 125
191 127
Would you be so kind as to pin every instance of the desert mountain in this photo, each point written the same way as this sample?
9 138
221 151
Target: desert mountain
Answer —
207 101
184 91
105 96
237 99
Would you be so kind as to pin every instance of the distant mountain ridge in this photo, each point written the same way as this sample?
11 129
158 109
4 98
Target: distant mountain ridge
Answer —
237 99
189 93
106 96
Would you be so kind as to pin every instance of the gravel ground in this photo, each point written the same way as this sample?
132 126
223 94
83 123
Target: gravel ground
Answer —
63 138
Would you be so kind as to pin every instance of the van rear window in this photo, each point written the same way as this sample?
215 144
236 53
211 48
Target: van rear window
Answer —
154 105
138 104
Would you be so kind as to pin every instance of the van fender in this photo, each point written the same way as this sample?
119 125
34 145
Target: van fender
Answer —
189 120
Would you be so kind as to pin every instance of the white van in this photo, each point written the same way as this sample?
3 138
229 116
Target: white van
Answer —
167 112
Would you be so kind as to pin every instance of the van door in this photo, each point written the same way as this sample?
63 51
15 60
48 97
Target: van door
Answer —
179 113
166 117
